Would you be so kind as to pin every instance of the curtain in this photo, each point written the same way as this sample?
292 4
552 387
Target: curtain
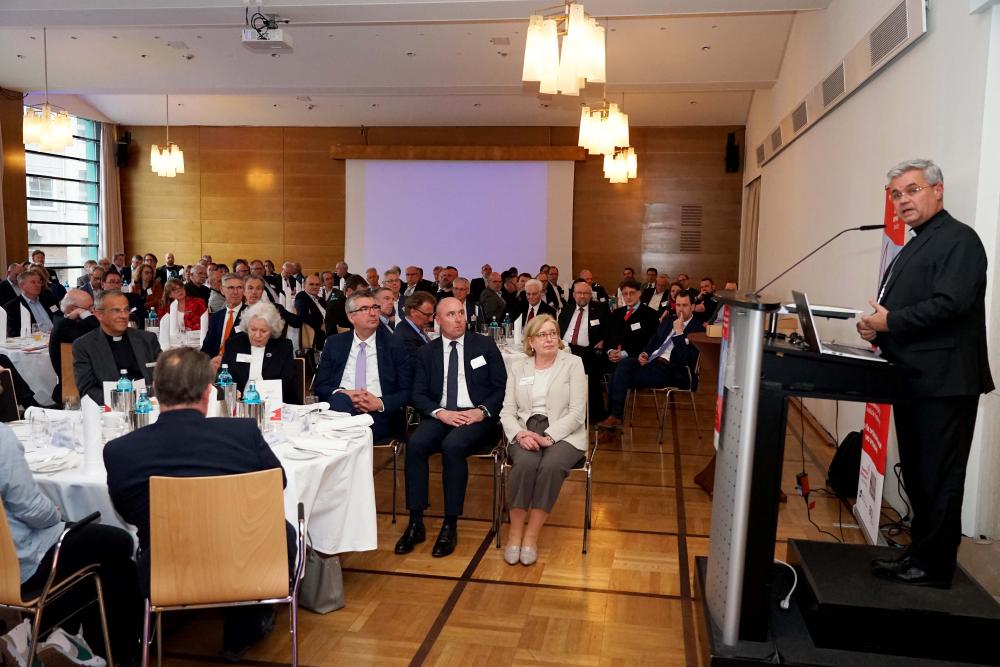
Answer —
748 235
3 229
112 238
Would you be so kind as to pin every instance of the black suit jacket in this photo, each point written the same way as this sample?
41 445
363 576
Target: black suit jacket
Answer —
203 292
647 296
553 295
421 286
216 327
684 355
935 296
393 368
411 340
476 287
595 332
279 363
336 313
630 337
313 316
542 309
182 443
13 309
274 280
165 272
66 330
7 292
486 383
94 364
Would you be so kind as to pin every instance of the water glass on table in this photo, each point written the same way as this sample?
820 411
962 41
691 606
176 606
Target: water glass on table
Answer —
36 333
39 428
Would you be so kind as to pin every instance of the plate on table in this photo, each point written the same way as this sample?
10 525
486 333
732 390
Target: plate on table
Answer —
51 460
295 454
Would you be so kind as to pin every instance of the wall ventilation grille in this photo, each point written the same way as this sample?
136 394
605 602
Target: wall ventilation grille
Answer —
833 85
889 34
691 215
690 240
799 117
776 139
760 155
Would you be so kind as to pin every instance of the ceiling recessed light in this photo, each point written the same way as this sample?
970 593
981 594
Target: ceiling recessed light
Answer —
198 36
275 106
72 36
20 57
275 55
374 105
156 36
694 102
143 56
114 36
477 105
706 48
663 27
32 36
410 53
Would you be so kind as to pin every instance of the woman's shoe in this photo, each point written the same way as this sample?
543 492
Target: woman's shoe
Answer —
529 555
511 555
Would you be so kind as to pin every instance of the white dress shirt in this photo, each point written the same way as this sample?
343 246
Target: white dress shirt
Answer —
656 300
371 366
582 338
464 401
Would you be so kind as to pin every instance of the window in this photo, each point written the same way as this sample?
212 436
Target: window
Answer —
64 200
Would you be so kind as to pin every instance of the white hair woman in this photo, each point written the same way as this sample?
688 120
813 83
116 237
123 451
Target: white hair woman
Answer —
258 352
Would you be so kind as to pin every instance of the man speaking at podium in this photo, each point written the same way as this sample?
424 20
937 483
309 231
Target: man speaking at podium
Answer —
930 316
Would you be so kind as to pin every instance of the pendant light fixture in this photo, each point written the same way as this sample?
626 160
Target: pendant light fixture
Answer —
581 59
47 126
169 161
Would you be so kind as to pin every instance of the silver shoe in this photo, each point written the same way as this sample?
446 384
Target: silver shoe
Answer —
529 555
511 555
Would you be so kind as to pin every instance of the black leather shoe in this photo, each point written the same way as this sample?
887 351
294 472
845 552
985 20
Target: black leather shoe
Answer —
914 576
891 564
413 535
446 541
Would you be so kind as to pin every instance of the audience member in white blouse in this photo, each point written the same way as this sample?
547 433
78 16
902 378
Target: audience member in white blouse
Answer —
258 352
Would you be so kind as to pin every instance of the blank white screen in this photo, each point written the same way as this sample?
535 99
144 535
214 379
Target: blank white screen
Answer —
465 214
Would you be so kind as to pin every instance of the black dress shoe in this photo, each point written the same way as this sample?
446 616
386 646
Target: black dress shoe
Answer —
914 576
891 564
446 541
413 535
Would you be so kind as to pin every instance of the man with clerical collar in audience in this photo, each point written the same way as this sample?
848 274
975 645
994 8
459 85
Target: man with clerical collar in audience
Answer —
667 360
658 296
458 386
631 325
549 296
415 282
223 323
600 294
460 290
419 313
491 302
583 325
386 308
366 370
257 270
76 321
477 285
169 269
38 304
533 305
100 355
312 310
705 303
8 287
445 281
254 290
197 286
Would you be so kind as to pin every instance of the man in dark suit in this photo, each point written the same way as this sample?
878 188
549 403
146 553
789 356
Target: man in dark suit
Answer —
8 286
93 285
510 293
311 310
99 356
77 320
491 301
533 305
223 323
40 306
343 276
658 296
583 326
668 360
336 305
600 294
386 309
38 257
133 267
458 387
419 311
705 303
415 282
254 290
555 291
477 285
460 290
183 443
446 280
196 286
366 370
631 325
930 316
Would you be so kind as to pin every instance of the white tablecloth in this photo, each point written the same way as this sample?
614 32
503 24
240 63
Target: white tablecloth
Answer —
337 490
510 356
35 368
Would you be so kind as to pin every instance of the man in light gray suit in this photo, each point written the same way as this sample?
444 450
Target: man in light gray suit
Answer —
100 355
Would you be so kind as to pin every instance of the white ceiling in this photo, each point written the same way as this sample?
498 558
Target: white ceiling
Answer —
389 62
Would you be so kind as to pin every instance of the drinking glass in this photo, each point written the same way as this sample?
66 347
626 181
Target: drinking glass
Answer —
39 429
36 333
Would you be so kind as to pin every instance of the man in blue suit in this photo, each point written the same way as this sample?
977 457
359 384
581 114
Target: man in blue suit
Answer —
366 370
458 386
222 323
419 311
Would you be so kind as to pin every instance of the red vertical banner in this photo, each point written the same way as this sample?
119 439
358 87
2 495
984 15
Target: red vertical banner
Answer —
723 364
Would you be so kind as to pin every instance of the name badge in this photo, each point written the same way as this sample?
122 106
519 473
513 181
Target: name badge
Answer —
595 323
478 362
53 309
636 326
527 381
243 358
149 291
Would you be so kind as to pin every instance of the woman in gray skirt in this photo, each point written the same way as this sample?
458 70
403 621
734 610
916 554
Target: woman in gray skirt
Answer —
544 419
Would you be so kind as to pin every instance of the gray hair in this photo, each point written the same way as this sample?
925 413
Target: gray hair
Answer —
376 292
262 310
230 276
535 283
464 281
355 295
182 375
71 300
932 172
104 295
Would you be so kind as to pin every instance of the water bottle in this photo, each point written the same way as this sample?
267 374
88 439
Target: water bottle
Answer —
66 285
225 382
143 406
251 406
225 379
151 321
495 331
124 384
251 396
508 327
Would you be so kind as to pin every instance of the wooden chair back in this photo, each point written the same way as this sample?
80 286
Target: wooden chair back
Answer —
307 336
10 570
69 388
235 551
8 399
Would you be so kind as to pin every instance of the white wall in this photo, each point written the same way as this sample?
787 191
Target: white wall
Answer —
930 103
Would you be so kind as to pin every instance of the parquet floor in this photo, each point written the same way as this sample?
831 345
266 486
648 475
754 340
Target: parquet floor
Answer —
627 602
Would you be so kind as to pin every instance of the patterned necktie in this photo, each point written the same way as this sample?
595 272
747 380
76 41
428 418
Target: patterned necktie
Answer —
531 314
452 401
576 327
361 368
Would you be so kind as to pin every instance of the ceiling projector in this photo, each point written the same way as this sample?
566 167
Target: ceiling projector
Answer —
267 40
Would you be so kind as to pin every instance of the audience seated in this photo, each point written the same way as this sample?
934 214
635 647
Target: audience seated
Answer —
216 299
600 294
477 285
390 279
411 331
628 273
366 370
344 276
415 282
445 281
533 305
256 350
491 301
511 292
8 286
88 268
169 270
100 355
312 310
222 323
631 325
39 306
544 420
583 327
38 257
460 290
705 303
556 297
197 286
93 285
77 320
657 297
148 287
386 309
336 314
371 275
192 307
651 275
271 287
254 290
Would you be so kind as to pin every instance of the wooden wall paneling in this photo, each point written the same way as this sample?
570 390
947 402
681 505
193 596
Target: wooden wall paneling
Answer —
14 195
458 136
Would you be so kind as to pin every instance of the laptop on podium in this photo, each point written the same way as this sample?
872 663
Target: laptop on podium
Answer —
811 335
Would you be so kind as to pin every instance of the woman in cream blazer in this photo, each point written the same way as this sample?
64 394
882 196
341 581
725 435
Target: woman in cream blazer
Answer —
544 419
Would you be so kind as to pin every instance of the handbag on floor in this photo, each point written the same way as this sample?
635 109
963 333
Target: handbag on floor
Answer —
322 589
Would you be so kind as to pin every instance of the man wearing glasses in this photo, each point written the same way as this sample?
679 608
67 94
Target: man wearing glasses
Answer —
100 355
930 316
419 312
312 310
366 370
222 323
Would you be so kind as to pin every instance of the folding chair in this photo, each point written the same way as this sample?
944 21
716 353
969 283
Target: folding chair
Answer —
10 583
498 455
234 555
661 413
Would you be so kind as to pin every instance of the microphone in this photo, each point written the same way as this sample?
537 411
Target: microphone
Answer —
862 228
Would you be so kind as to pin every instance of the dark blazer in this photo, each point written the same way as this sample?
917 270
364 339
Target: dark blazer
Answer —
216 327
182 443
935 296
203 292
94 364
411 340
13 309
595 311
313 316
512 301
165 272
553 295
274 280
622 333
542 309
336 313
422 286
66 330
684 354
7 292
279 363
394 376
647 296
127 273
476 287
486 384
442 294
600 294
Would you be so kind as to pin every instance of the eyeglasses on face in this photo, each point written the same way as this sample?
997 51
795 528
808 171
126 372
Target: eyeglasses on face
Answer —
909 191
425 314
546 334
365 309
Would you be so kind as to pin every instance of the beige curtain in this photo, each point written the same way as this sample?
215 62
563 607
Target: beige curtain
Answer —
3 229
748 235
112 237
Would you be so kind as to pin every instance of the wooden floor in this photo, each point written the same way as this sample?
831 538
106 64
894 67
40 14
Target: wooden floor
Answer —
627 602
